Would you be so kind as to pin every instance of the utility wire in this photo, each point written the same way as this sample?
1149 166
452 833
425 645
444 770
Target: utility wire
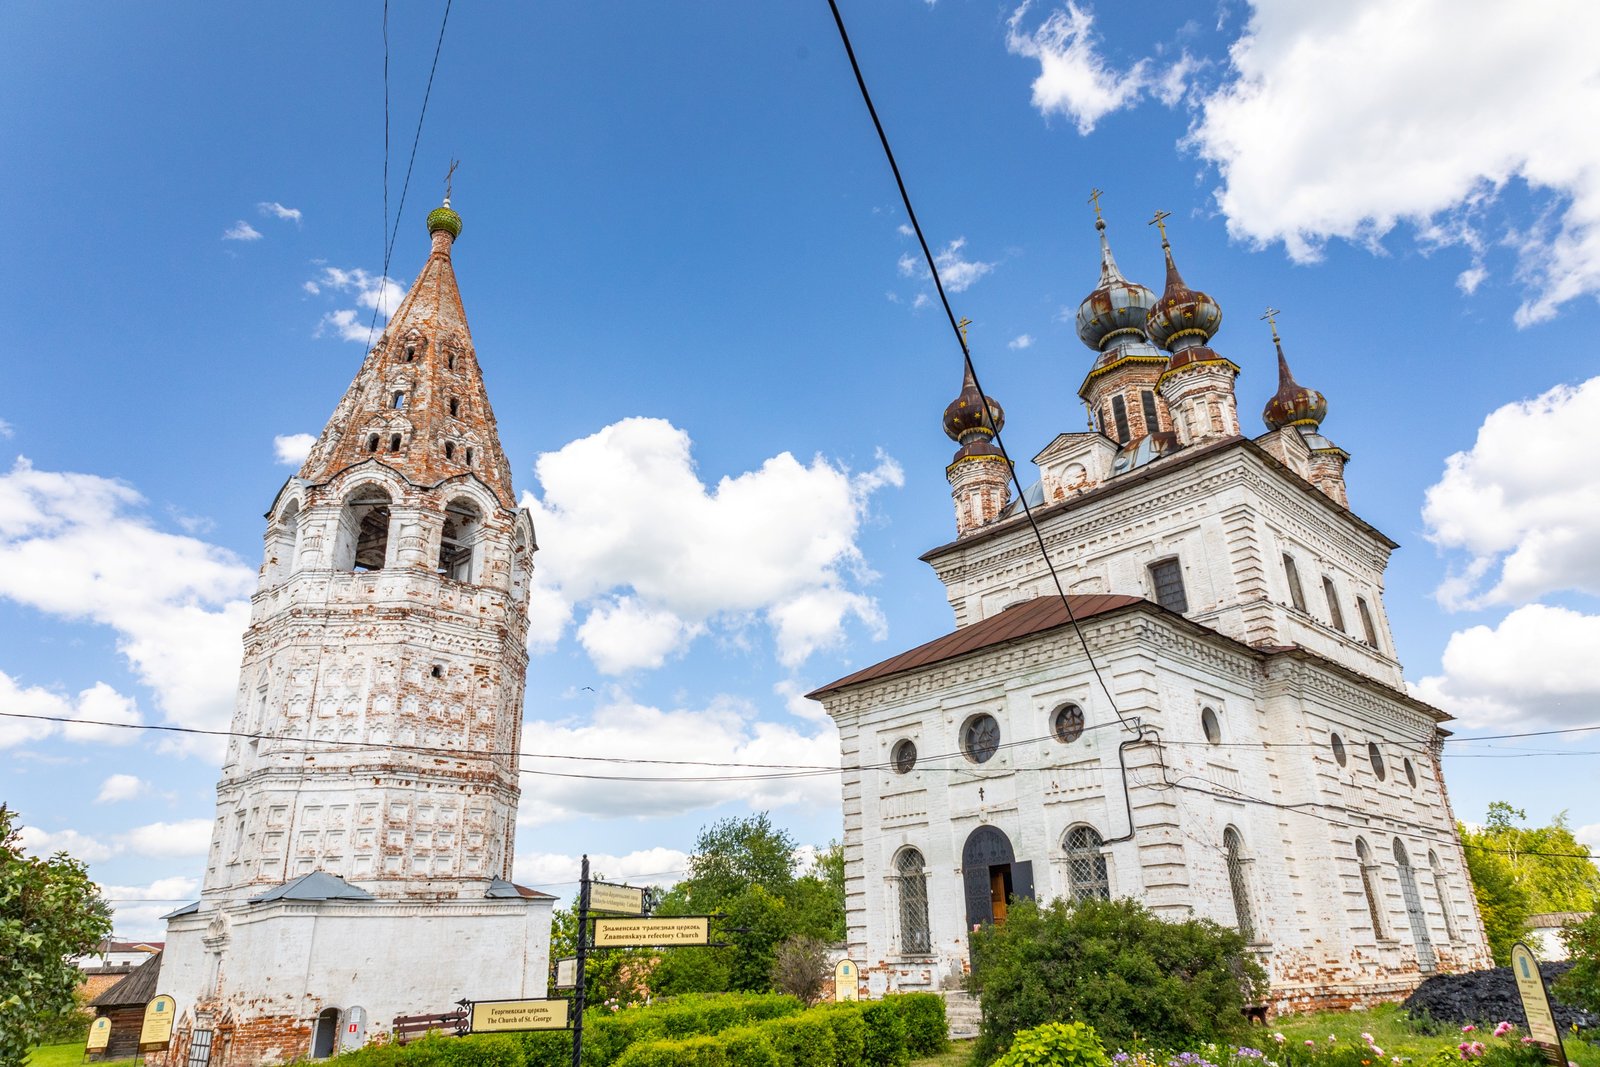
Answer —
966 356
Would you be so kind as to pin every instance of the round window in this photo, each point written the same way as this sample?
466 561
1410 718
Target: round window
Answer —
980 738
1338 749
1411 773
1213 728
1377 760
905 756
1068 723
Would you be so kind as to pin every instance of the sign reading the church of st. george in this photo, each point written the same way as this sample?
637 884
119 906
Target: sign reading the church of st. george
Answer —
505 1016
1542 1026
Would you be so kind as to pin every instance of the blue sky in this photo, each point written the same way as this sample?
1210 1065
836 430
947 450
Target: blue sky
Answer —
682 267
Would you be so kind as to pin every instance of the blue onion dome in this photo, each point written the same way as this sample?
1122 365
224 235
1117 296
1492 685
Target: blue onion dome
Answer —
444 218
1293 404
966 423
1183 317
1117 309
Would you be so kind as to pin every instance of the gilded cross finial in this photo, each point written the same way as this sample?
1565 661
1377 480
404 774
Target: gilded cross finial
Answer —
449 175
962 326
1270 317
1094 198
1160 223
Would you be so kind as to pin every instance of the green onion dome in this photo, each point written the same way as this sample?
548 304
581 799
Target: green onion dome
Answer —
444 218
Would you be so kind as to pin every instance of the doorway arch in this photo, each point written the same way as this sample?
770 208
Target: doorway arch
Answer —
325 1038
992 877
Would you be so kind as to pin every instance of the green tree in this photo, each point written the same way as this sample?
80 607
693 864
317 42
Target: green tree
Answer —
1548 863
1503 905
1114 965
49 912
731 855
1580 986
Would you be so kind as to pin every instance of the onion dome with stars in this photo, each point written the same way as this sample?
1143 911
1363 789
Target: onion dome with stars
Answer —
1117 309
1293 404
1182 318
966 422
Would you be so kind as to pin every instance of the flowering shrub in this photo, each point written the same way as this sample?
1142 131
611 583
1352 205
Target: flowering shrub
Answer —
1504 1048
1055 1045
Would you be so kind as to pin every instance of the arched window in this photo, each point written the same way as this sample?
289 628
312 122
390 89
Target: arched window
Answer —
455 406
325 1040
1335 613
1211 726
1375 757
1152 421
363 539
913 879
1369 885
399 400
1087 875
449 450
519 566
469 456
283 550
1443 892
1166 581
1119 413
1297 595
1233 850
372 442
394 442
1414 912
1338 748
1369 632
459 541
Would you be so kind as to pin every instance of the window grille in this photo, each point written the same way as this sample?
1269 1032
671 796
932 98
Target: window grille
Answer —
980 738
200 1048
1297 595
1426 962
1234 848
1369 885
1167 578
1443 891
1335 613
1086 864
1152 421
1068 723
1119 412
914 933
905 756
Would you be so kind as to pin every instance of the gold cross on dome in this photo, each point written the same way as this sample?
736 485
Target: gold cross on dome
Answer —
450 174
1270 317
1094 198
962 326
1160 223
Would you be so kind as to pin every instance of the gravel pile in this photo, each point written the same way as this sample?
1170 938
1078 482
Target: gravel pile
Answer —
1487 997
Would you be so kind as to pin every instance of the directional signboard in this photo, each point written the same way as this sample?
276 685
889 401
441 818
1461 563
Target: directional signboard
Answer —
1536 1004
567 973
661 932
621 899
501 1016
156 1034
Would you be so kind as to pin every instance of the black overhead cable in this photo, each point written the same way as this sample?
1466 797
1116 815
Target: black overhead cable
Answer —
966 356
393 232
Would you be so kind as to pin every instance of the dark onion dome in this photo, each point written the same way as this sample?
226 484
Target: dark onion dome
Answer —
444 218
1293 404
966 423
1118 308
1182 317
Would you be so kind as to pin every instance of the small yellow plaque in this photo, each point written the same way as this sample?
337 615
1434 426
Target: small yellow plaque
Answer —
622 899
678 930
1536 1003
500 1016
99 1035
845 976
156 1034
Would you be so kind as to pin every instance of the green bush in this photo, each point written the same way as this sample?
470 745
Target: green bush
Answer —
803 1040
1580 986
885 1043
849 1032
485 1050
1056 1045
1116 966
927 1030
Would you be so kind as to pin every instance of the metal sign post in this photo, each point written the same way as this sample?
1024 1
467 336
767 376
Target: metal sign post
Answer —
1536 1005
583 938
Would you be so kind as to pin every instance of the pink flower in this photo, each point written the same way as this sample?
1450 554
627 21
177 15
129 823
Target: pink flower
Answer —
1503 1029
1376 1051
1367 1038
1310 1043
1279 1038
1467 1029
1527 1040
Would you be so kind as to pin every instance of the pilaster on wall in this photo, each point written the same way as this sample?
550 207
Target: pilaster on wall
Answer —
1245 560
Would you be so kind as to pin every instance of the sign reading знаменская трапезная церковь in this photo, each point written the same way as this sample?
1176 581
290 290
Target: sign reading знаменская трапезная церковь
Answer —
665 932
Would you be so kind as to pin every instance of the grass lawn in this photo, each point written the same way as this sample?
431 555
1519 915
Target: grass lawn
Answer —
1396 1034
960 1055
68 1055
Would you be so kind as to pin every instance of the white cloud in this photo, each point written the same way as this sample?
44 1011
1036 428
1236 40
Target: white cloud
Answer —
1021 341
956 271
905 231
134 919
39 842
922 301
1536 669
374 292
7 430
121 787
657 557
557 873
1521 503
796 701
81 547
1074 79
311 287
277 210
241 231
728 731
1344 120
186 837
291 449
98 702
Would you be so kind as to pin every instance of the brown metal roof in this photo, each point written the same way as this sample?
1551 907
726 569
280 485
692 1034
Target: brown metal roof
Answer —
1018 620
138 987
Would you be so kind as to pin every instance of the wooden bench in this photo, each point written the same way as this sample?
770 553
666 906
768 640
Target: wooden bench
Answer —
407 1027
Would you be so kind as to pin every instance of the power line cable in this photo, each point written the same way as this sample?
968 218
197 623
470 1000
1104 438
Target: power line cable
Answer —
966 356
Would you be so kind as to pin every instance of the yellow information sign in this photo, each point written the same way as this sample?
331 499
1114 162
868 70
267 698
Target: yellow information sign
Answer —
156 1034
1536 1003
845 976
500 1016
99 1035
622 899
678 930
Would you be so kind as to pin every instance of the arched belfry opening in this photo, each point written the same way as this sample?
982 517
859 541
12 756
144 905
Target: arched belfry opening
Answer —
460 553
992 877
363 540
283 544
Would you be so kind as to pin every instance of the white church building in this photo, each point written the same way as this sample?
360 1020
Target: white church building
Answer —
361 858
1212 720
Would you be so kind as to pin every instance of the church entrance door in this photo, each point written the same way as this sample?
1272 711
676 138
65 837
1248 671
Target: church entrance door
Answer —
992 877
